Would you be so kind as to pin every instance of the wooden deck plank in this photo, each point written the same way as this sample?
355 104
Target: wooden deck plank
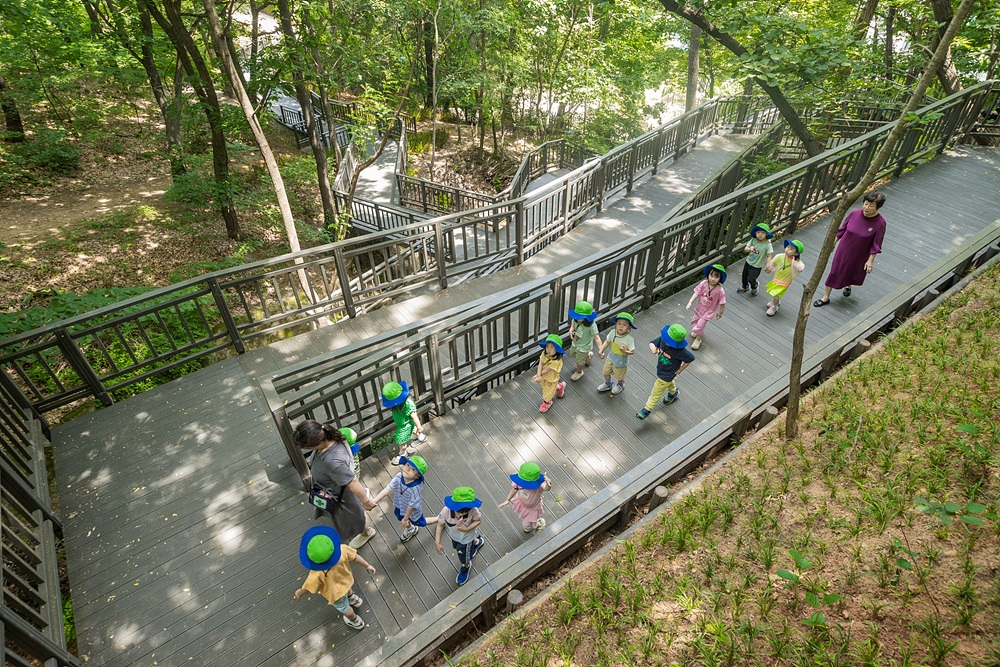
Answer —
205 442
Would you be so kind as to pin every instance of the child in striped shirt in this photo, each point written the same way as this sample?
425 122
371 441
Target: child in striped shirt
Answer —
408 499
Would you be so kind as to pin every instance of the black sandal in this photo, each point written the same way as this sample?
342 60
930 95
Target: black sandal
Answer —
819 303
847 291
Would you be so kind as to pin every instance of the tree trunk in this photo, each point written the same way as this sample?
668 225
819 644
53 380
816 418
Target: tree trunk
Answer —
11 116
691 99
864 19
434 92
172 23
427 34
236 79
798 341
305 102
890 17
787 111
171 121
95 18
947 74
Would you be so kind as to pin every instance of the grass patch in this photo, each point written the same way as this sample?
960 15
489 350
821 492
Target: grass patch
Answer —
870 540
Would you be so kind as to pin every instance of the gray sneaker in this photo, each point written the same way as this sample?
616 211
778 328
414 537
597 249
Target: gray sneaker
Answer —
604 386
409 533
618 388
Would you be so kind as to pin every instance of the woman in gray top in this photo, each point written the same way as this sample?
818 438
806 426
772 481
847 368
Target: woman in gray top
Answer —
332 467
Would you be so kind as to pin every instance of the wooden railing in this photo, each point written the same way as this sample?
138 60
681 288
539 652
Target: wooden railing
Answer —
490 340
177 328
31 618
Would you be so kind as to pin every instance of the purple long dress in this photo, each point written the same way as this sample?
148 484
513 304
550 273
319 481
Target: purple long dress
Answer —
860 237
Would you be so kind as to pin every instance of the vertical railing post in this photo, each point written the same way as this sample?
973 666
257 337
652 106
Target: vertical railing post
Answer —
437 381
82 367
681 138
950 125
294 453
599 179
423 195
800 201
566 188
633 158
909 142
657 150
345 282
652 261
440 255
555 305
519 229
734 228
227 317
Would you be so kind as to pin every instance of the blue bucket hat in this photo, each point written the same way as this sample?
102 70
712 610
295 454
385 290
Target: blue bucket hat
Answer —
463 497
761 227
583 311
718 267
320 548
395 393
528 476
556 340
675 336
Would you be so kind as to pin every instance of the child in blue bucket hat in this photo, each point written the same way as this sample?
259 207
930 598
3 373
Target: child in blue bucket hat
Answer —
711 301
396 397
622 347
550 364
672 358
526 488
759 251
583 334
461 517
329 565
407 502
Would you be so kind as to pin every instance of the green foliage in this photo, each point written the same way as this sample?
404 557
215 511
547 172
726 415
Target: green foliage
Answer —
69 622
420 142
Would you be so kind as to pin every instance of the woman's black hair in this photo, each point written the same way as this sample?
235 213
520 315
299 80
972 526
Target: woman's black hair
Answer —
311 433
875 196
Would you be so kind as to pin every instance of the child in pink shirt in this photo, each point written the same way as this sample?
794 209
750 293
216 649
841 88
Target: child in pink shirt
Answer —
527 486
711 301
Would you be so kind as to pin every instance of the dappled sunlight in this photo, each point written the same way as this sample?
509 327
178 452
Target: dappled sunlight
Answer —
125 636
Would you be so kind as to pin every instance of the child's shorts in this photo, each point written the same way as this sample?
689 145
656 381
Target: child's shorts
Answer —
343 605
617 371
578 355
419 520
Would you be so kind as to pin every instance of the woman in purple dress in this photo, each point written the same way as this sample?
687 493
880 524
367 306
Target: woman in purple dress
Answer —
859 239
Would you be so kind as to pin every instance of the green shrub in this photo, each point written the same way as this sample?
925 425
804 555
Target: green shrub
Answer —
51 151
420 142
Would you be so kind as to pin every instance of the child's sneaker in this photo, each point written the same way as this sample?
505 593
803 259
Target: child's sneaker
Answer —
753 292
618 388
356 624
560 389
642 414
696 343
670 398
355 600
590 355
544 407
771 309
476 546
395 460
527 528
421 437
605 386
741 290
463 574
540 524
409 533
576 376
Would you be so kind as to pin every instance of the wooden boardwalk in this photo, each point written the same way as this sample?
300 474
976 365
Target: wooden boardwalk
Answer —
183 514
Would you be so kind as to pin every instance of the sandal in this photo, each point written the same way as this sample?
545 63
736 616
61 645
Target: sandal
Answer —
819 303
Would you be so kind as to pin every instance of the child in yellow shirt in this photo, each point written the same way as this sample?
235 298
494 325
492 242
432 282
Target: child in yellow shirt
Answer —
329 565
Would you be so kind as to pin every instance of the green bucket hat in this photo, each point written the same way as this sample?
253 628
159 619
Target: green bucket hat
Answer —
319 548
556 340
583 311
529 476
462 498
415 461
395 393
624 316
718 267
352 438
798 245
675 336
761 227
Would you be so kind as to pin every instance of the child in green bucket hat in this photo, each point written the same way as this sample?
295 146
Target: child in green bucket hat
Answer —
550 364
461 517
672 358
759 251
785 269
583 334
526 488
329 565
711 298
407 485
622 347
396 397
